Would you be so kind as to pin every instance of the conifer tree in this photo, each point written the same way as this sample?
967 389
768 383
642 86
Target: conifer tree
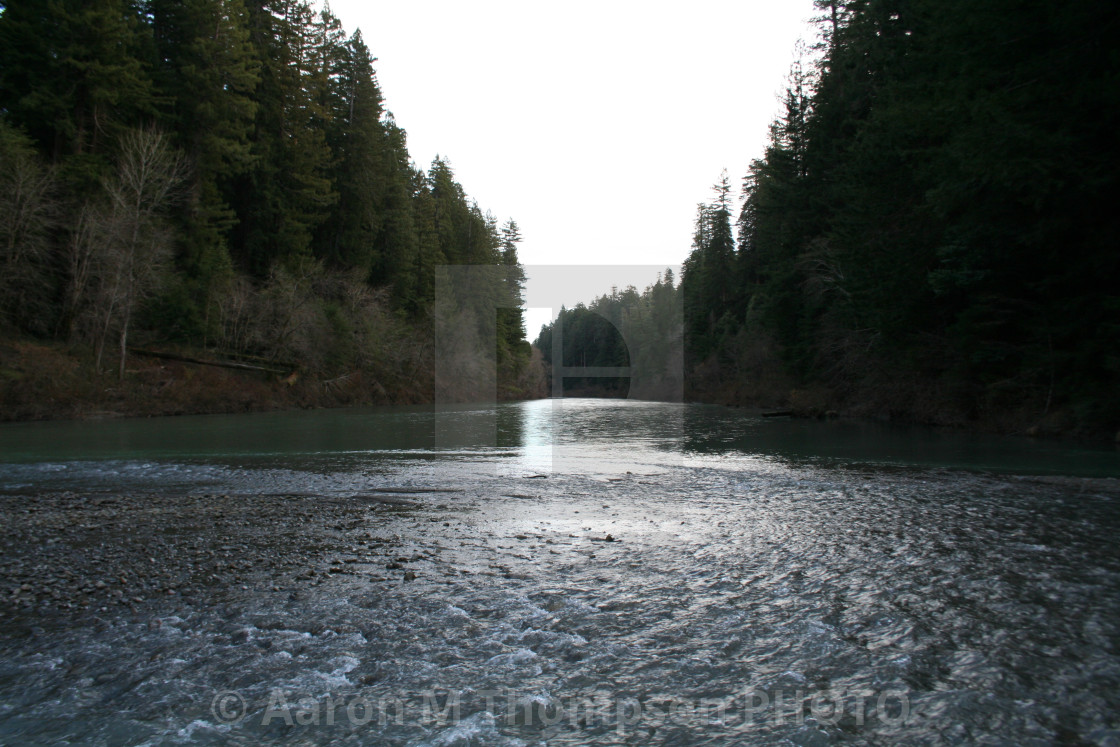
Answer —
74 74
207 73
364 170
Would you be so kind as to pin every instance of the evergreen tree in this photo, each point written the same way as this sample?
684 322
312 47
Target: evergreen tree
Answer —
207 73
289 192
511 322
74 74
364 170
709 273
299 200
921 218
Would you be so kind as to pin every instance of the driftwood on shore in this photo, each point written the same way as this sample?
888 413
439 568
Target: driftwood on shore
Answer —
201 362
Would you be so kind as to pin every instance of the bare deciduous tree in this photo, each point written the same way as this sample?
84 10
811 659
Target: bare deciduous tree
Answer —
290 320
136 242
28 212
237 310
79 254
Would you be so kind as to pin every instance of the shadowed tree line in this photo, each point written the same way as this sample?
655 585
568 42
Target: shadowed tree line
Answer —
641 331
222 174
931 233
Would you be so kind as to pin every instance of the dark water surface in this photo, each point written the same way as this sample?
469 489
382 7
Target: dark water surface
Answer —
764 582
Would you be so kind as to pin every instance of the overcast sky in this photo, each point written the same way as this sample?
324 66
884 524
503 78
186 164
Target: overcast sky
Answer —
597 126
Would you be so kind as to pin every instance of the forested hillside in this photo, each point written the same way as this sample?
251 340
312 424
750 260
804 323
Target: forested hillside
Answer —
931 233
220 176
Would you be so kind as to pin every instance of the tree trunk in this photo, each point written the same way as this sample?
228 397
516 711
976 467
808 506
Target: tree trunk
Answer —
104 334
124 346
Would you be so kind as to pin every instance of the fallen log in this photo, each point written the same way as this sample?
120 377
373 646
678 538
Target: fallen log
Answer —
201 362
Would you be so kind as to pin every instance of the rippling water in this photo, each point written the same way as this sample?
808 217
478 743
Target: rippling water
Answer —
608 573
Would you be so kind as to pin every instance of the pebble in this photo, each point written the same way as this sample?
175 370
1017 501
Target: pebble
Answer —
116 549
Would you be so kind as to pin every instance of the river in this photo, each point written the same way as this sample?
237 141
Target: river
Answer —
598 572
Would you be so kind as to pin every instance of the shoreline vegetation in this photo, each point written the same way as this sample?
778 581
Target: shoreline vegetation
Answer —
221 182
929 236
41 382
51 381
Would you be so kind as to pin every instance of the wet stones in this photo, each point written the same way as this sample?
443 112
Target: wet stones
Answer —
66 553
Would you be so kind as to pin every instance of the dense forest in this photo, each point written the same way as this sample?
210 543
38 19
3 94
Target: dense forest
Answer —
930 234
221 177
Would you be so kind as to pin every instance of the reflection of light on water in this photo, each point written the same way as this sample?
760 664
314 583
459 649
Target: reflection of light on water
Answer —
558 439
753 463
596 437
538 424
536 453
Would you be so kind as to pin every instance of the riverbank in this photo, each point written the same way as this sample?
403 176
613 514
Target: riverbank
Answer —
53 382
69 554
910 402
50 381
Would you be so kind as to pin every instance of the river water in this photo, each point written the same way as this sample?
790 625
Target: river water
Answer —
600 572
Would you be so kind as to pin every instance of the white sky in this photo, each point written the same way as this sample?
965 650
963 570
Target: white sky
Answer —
597 126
